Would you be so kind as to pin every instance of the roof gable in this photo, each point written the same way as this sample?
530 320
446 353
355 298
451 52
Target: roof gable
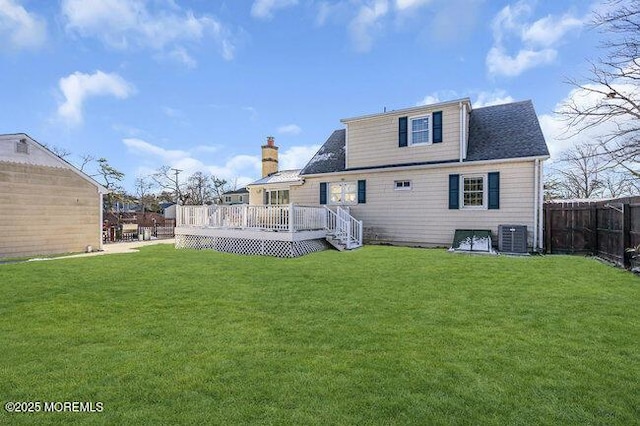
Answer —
38 155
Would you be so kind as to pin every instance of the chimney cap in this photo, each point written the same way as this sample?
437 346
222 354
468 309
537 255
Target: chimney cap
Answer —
270 141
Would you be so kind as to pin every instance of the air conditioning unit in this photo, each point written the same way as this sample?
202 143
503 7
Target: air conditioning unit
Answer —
512 238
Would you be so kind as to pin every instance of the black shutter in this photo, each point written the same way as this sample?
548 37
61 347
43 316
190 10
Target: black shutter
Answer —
402 131
494 190
362 191
454 191
323 192
437 127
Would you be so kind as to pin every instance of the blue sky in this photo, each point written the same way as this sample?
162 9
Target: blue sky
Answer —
200 84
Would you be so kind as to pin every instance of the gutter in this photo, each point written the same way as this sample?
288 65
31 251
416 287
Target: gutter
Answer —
447 164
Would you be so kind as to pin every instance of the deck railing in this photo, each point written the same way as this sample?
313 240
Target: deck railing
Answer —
288 217
338 223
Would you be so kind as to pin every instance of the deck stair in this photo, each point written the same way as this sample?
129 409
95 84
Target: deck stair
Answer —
344 232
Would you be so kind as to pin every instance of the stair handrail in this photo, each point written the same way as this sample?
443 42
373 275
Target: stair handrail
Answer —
344 226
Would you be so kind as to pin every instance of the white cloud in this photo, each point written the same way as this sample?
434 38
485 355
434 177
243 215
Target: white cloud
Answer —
482 98
296 157
77 87
496 97
501 63
290 129
537 40
241 168
410 4
20 29
264 9
123 24
367 22
549 30
140 146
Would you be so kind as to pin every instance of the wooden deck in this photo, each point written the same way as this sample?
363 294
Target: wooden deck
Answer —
281 231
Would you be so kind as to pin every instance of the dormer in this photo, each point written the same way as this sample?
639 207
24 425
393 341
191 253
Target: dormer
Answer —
437 132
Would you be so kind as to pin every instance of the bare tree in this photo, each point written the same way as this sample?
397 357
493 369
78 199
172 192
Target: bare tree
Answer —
168 180
610 98
143 187
582 173
200 189
576 174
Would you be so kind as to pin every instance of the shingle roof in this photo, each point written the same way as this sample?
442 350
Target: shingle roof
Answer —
505 131
330 157
495 132
237 191
283 176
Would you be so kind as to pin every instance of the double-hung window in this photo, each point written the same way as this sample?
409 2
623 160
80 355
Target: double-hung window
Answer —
473 191
343 193
419 130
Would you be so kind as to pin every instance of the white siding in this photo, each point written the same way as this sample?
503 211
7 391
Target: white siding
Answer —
421 216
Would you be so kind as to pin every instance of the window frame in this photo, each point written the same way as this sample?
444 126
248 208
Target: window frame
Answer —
402 187
268 196
429 117
343 185
485 191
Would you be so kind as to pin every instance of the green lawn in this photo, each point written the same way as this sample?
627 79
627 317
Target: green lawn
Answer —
380 335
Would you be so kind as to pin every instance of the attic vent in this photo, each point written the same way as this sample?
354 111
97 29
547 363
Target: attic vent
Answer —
512 238
22 147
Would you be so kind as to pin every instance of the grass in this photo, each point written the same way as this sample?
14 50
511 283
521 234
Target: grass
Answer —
381 335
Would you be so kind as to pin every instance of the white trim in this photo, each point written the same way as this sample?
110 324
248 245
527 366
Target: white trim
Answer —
406 111
346 146
429 117
455 164
402 188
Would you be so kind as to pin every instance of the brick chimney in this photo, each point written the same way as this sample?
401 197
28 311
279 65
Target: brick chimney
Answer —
269 157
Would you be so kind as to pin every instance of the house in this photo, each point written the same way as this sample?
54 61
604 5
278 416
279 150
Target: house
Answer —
415 175
49 206
407 177
237 196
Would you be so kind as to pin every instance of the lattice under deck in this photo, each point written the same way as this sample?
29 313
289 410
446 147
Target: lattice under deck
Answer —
251 246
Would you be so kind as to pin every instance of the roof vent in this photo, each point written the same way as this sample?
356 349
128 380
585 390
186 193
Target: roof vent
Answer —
512 238
22 147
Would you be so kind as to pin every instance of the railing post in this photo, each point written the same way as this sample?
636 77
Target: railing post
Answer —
291 217
245 214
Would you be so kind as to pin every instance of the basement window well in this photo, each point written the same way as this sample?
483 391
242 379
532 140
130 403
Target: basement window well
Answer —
472 240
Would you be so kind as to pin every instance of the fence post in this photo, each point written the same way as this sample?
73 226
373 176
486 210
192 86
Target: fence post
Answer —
626 233
547 225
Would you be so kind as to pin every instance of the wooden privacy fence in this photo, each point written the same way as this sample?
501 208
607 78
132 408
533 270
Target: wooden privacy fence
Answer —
602 228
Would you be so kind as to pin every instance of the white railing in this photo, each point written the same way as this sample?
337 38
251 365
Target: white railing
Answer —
344 227
242 216
339 223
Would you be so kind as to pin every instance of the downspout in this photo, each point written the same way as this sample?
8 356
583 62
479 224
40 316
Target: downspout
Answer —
464 131
461 106
536 198
100 242
541 207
